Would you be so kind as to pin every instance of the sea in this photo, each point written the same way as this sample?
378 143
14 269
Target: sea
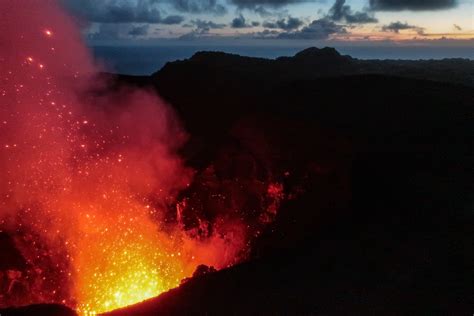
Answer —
145 60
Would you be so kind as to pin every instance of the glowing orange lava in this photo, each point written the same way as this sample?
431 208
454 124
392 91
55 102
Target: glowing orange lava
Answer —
88 179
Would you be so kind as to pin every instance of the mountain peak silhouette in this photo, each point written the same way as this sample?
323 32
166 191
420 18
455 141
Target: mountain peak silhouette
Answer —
314 52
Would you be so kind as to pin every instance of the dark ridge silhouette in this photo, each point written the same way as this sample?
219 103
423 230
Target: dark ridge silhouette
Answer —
314 63
377 159
326 53
38 310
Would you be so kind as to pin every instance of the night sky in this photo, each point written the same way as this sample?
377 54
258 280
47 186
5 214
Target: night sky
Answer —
141 36
256 22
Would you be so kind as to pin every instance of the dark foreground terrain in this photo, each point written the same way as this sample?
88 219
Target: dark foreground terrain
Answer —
377 166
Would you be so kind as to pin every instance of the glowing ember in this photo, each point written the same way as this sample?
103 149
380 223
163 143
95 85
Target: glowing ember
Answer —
87 185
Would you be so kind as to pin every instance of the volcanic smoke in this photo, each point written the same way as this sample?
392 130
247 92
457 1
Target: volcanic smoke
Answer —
89 178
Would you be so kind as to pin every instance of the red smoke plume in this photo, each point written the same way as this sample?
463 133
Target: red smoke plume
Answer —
88 179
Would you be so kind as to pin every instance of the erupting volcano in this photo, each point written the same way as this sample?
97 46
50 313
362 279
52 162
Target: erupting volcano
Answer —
91 186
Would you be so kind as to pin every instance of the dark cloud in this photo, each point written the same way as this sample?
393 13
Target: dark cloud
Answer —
199 32
199 6
288 24
342 12
172 19
270 25
256 4
206 25
396 27
194 34
260 10
266 34
140 11
139 30
239 22
114 11
317 30
121 31
109 31
397 5
202 29
105 32
117 11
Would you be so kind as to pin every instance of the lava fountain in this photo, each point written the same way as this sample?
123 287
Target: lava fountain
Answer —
87 179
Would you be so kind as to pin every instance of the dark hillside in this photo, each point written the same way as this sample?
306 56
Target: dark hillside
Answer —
385 222
376 159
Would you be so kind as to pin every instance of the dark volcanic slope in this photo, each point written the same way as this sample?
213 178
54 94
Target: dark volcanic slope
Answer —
38 310
385 223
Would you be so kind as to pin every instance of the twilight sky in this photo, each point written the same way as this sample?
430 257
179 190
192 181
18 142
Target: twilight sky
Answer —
446 22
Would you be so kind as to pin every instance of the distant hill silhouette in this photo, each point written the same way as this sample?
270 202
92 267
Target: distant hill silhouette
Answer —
378 155
313 63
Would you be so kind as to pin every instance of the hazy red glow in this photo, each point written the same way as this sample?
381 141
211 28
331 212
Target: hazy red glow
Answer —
87 179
